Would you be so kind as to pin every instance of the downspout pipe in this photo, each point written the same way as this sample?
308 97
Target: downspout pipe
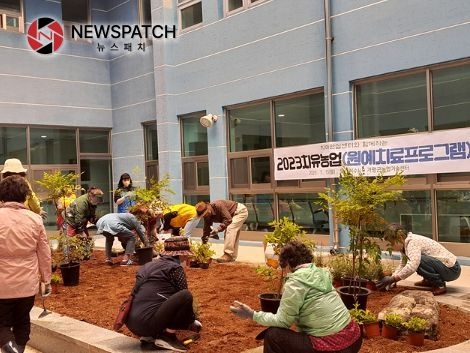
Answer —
329 107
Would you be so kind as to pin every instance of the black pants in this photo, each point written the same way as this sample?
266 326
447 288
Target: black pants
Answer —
15 324
281 340
174 313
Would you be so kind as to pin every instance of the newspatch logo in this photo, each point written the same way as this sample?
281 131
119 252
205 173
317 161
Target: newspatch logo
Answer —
45 35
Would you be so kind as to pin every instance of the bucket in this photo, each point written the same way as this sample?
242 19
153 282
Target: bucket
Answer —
269 302
144 255
70 273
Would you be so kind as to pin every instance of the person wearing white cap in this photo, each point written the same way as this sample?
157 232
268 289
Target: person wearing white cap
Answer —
13 166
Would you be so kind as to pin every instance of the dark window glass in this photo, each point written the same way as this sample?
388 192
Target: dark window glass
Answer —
151 143
75 11
94 141
53 146
194 137
13 143
191 15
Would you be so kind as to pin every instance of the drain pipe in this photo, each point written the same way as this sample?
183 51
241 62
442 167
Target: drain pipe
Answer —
329 110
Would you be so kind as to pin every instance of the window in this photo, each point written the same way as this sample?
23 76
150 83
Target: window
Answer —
451 99
233 5
400 105
145 12
13 143
53 146
73 12
94 141
190 13
151 151
393 106
11 15
194 156
453 212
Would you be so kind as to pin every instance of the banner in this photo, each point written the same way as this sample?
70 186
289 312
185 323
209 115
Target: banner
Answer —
423 153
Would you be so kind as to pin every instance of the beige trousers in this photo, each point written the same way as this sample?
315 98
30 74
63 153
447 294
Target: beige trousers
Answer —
232 233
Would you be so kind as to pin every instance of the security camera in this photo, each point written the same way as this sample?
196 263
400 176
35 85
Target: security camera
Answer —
208 120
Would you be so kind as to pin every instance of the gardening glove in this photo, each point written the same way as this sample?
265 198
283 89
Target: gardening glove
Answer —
46 290
242 310
385 282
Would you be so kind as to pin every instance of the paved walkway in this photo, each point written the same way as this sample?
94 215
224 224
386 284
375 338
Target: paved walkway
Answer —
458 295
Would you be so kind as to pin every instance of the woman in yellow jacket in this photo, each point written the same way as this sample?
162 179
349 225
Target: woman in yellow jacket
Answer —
13 166
180 216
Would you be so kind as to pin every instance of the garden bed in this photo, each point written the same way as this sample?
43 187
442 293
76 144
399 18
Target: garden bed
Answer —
102 288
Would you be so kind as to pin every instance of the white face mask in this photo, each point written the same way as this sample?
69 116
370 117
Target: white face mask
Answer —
126 182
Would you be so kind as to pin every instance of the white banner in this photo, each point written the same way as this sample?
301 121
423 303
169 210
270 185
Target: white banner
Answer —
423 153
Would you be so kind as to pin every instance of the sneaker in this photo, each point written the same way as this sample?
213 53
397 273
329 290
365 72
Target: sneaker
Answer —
225 258
439 290
10 347
126 262
423 283
196 326
170 342
214 236
108 262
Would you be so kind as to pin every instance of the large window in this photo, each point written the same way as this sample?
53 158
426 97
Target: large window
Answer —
190 13
11 15
453 214
53 146
93 141
431 99
194 156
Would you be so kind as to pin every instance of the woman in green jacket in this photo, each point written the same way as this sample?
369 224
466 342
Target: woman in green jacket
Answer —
311 303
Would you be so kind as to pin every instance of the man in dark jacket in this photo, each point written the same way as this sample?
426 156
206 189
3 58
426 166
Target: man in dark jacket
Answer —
231 215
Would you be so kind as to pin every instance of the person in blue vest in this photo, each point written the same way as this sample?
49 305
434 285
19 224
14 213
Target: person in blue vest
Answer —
124 195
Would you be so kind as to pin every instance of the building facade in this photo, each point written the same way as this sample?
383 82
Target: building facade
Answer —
274 73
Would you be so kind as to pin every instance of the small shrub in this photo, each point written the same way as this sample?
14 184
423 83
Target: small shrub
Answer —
416 324
394 320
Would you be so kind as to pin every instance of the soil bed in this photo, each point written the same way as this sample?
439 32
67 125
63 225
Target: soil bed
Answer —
102 289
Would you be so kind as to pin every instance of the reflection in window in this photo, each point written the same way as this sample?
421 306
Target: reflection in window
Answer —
260 172
194 137
13 144
300 121
250 128
94 141
53 146
305 210
413 212
451 101
203 174
391 107
453 215
260 210
239 170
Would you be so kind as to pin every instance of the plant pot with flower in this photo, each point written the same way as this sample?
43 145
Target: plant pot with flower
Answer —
55 279
356 203
392 325
416 328
367 320
202 254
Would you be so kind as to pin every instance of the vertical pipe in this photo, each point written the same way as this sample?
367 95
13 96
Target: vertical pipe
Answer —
328 106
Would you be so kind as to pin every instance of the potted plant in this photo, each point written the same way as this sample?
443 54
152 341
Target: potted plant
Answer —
67 253
416 327
270 301
367 319
340 267
356 204
392 325
202 253
150 202
55 279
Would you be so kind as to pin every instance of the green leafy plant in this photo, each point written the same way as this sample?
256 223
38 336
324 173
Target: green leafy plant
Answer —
202 252
65 249
357 203
55 278
58 183
273 276
340 266
284 231
362 316
394 320
416 324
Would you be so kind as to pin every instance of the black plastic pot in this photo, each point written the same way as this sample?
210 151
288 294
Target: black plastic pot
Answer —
269 302
350 295
70 273
204 265
144 255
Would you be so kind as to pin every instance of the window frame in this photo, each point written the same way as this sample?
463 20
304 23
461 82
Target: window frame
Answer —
184 4
246 4
20 15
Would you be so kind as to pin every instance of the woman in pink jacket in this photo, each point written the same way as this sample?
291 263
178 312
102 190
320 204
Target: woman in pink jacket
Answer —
25 260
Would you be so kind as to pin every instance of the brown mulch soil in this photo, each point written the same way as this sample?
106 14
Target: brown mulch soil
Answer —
102 289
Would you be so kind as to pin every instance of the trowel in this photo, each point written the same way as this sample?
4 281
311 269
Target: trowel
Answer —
44 312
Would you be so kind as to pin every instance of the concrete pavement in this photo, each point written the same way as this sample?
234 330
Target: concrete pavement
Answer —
59 334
